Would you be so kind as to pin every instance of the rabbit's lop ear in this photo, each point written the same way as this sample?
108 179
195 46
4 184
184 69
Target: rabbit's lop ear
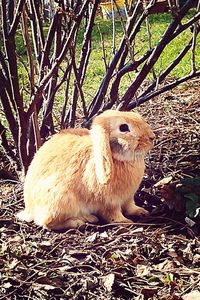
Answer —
101 150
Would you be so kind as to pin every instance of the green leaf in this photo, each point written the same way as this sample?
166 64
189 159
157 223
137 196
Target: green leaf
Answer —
192 204
191 181
168 278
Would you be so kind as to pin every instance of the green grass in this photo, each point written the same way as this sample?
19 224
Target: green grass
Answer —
96 67
158 24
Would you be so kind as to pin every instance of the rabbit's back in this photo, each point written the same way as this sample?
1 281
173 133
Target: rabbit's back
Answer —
60 153
54 168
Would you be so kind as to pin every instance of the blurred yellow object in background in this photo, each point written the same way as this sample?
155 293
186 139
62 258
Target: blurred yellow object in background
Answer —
110 6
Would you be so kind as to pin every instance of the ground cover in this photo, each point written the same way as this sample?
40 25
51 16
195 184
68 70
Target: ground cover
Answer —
155 258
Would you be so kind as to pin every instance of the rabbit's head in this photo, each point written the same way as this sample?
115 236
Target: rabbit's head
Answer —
122 136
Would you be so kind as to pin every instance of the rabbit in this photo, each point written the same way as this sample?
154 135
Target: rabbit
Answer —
79 174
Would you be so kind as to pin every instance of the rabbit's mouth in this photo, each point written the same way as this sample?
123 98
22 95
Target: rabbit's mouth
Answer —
116 146
144 147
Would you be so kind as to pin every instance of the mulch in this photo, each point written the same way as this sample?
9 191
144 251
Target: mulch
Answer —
156 258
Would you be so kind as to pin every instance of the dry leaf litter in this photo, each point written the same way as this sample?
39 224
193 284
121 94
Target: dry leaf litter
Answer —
155 258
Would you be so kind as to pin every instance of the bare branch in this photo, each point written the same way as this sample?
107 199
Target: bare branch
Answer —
13 126
79 87
165 88
113 27
168 69
167 37
48 43
63 115
5 79
81 70
148 28
103 49
28 48
196 30
17 17
58 60
47 124
36 129
123 48
115 85
6 145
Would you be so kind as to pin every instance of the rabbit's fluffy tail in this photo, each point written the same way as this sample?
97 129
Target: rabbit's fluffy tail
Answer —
24 216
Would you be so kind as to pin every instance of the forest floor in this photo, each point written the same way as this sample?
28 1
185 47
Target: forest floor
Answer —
156 258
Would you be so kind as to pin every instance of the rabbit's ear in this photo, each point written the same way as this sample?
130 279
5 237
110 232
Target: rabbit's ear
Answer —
102 153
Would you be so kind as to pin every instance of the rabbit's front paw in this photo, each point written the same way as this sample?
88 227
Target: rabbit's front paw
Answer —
131 209
123 220
138 211
116 216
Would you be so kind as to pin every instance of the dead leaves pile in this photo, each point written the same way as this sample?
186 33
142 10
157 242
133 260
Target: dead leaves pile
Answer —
141 261
156 259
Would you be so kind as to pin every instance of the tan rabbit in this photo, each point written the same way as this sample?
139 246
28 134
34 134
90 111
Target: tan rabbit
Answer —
80 174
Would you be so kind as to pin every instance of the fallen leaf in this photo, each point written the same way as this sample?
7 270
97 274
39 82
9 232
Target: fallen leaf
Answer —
143 270
196 259
137 230
115 256
163 181
45 243
104 234
187 252
166 265
194 295
92 237
13 263
108 281
149 292
15 238
64 269
38 286
137 260
167 279
172 253
7 285
122 230
49 283
190 222
172 197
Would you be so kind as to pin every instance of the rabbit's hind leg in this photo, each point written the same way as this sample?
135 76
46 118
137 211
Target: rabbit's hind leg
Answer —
91 219
70 222
65 224
113 214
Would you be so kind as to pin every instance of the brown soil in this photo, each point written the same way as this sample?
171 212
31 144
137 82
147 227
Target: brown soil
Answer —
156 258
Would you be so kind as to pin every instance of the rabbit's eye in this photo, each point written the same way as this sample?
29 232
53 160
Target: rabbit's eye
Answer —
124 128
